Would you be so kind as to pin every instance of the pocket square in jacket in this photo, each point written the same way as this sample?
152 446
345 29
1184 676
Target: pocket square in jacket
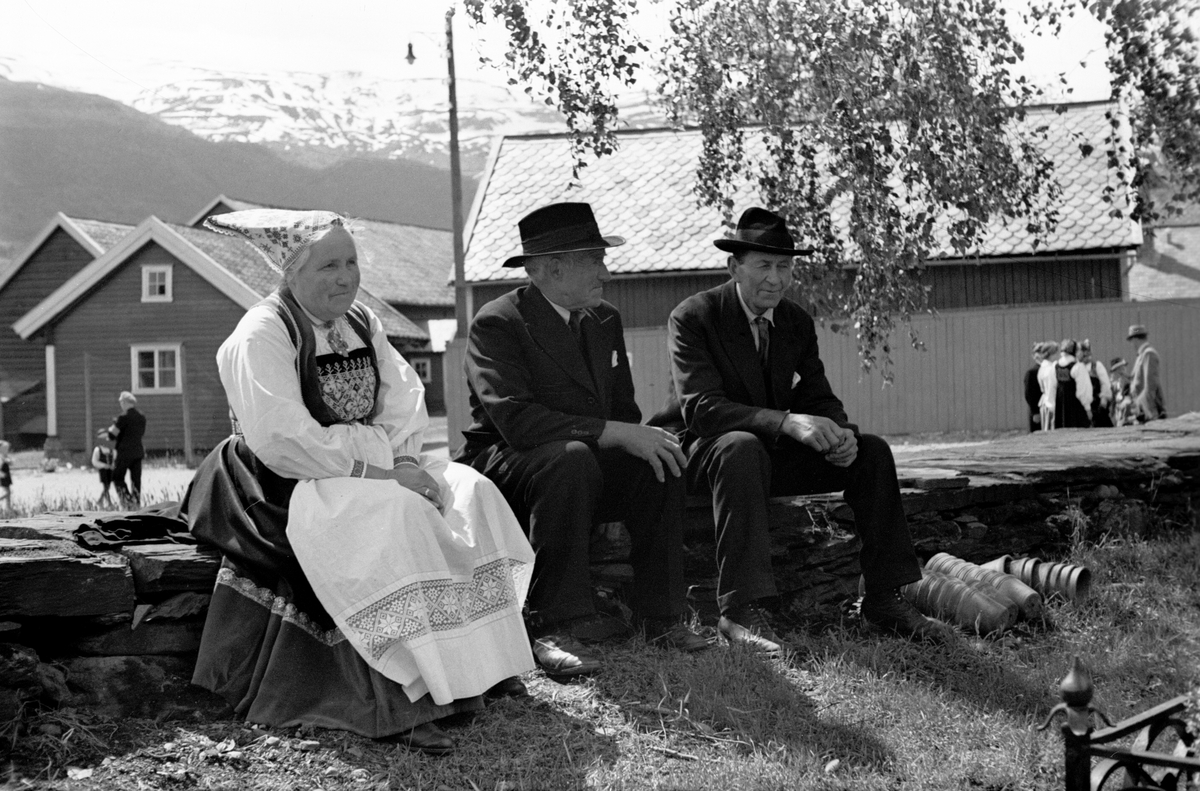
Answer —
614 362
795 379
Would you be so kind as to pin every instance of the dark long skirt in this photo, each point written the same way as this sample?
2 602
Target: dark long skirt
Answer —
1100 416
268 647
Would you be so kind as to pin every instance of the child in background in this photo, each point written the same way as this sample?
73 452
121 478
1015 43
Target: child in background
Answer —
103 458
5 476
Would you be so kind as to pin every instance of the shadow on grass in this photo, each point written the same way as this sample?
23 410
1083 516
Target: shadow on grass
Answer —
979 672
733 702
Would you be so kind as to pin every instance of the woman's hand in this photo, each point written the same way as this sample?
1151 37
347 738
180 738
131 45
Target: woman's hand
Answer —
412 478
419 481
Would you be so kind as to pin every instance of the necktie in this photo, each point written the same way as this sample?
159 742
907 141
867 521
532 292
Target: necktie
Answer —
576 325
336 341
763 331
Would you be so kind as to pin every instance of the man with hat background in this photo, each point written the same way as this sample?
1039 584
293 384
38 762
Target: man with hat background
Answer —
757 419
555 425
1145 390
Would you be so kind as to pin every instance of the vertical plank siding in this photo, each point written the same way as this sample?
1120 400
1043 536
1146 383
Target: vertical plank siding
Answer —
970 377
58 258
110 320
1023 282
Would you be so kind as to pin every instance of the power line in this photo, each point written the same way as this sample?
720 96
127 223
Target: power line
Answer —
81 49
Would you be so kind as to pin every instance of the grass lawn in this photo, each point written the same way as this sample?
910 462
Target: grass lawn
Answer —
848 709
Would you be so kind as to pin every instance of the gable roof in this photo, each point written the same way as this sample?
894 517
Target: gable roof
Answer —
227 263
646 193
222 204
404 264
94 236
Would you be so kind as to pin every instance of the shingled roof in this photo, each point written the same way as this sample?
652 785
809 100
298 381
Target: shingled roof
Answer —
105 234
403 264
248 266
646 193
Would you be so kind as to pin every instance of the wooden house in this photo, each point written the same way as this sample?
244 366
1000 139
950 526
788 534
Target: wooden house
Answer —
65 246
646 193
1168 264
407 266
148 315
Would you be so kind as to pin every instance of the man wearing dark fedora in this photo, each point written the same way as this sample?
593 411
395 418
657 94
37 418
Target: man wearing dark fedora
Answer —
757 418
555 426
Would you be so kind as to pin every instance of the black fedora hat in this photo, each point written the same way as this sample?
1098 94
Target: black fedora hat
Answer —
560 228
762 230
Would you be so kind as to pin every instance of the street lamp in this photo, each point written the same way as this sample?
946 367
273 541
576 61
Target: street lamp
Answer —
460 287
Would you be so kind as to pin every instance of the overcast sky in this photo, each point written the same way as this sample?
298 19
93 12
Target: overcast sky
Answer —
111 46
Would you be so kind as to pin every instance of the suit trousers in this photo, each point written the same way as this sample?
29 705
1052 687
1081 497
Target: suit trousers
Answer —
741 471
131 496
559 492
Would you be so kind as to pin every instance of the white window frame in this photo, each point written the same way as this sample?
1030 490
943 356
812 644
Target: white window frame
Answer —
417 363
158 269
136 386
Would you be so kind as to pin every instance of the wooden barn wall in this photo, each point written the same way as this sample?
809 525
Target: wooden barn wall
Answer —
1023 282
57 260
970 375
644 301
109 320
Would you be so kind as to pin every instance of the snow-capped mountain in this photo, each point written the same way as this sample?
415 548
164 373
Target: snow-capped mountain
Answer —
345 113
320 118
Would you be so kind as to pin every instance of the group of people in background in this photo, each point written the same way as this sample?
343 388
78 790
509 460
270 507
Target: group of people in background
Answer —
119 454
1068 388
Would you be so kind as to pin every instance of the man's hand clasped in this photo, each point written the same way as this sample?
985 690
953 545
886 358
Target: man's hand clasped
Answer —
836 443
657 446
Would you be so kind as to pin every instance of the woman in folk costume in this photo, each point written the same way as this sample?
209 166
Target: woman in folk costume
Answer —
1046 382
1033 388
1102 392
364 586
1072 390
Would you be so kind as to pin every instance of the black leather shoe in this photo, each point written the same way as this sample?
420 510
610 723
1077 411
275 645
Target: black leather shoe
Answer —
671 633
511 687
426 738
893 613
563 656
748 625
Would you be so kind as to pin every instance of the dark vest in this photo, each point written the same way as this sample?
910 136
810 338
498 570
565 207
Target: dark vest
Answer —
301 333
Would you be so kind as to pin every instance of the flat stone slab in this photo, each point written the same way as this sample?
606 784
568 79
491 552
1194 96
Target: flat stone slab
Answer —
170 568
1075 455
60 578
55 525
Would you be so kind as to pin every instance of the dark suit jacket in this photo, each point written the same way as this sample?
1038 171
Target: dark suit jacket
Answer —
718 385
132 427
529 383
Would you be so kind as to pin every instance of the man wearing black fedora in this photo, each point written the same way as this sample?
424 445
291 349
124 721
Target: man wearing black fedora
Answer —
757 418
555 426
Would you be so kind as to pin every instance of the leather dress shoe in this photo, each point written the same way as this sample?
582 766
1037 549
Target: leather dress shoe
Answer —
748 625
511 687
893 613
563 656
672 633
426 738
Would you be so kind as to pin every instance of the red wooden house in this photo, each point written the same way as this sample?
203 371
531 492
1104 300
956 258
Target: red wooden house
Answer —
65 246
